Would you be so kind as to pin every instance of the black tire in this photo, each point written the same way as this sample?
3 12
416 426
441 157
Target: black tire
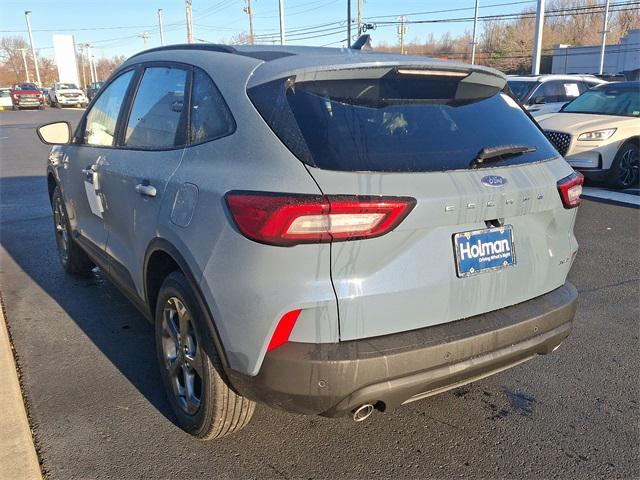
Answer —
72 257
188 361
625 169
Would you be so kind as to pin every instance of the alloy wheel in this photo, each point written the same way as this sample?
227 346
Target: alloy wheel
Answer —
62 234
628 170
182 355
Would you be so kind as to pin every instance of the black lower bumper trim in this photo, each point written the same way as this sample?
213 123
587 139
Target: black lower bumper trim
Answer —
333 379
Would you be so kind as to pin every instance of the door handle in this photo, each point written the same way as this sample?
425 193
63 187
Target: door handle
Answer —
90 170
146 190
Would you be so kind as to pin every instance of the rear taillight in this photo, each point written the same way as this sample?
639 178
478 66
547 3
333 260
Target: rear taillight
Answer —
570 189
291 219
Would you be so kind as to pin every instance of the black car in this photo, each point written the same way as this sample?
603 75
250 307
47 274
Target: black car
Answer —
92 89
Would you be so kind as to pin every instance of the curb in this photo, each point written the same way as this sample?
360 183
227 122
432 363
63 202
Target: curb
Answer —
18 459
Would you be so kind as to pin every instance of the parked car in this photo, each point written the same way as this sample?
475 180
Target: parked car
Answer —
92 89
598 133
6 103
541 94
66 94
326 232
26 95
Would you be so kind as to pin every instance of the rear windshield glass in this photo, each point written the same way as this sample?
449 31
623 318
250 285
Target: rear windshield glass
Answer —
397 122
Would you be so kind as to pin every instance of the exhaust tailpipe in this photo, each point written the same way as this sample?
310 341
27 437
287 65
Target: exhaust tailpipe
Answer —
363 412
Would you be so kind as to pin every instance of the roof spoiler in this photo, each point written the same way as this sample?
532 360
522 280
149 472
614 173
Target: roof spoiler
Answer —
362 43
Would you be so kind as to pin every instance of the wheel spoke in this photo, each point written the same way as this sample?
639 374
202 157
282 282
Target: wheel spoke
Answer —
170 325
173 364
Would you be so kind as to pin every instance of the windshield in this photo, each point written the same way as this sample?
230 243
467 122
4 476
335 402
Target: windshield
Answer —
5 93
521 89
26 86
416 124
67 86
614 100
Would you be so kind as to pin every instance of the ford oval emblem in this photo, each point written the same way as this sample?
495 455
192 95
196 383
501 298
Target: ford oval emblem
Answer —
494 181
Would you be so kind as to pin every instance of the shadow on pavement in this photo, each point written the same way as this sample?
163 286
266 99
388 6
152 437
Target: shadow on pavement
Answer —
104 315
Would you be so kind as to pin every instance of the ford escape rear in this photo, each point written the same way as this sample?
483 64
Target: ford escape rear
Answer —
324 231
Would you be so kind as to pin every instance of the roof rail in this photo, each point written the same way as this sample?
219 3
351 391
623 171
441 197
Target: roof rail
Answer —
210 47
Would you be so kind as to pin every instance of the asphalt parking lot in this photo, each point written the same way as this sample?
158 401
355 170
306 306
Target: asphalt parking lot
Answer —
98 409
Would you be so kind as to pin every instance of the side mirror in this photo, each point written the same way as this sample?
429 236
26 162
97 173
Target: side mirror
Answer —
57 133
539 100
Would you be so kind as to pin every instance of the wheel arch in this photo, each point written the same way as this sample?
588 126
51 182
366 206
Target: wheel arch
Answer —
162 258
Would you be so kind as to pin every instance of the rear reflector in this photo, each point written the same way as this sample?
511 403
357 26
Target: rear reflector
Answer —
283 329
570 189
291 219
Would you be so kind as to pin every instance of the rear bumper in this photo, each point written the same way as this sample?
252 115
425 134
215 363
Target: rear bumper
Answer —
334 379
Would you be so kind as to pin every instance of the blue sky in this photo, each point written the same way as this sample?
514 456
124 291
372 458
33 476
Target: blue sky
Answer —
112 26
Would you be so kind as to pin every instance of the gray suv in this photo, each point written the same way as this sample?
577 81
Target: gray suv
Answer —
325 231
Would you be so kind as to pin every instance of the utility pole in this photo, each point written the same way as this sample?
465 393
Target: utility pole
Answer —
402 31
348 23
359 17
24 60
160 25
249 12
33 48
95 70
475 35
89 59
84 77
537 46
189 21
604 37
144 36
281 10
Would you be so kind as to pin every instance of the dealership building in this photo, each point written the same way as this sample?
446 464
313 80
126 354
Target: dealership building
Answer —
622 58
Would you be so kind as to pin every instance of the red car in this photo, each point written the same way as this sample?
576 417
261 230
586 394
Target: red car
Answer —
27 95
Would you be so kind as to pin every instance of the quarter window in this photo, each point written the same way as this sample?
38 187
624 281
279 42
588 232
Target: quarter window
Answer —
157 117
210 117
101 119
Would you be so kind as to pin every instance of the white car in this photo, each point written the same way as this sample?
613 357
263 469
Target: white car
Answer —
67 95
598 133
5 99
541 94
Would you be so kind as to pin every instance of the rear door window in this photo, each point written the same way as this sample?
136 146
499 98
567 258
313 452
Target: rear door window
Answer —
396 122
158 117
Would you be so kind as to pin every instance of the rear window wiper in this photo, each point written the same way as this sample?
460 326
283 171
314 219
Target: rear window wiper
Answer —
494 154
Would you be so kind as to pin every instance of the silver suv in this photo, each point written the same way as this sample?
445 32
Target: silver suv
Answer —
325 231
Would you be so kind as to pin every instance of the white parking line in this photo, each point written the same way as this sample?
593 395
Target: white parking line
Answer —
629 197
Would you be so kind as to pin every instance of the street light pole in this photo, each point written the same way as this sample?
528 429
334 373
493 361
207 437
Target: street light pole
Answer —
475 35
33 48
189 24
160 24
281 10
537 46
24 60
348 23
604 37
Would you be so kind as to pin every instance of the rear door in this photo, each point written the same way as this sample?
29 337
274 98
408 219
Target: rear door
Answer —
133 177
482 236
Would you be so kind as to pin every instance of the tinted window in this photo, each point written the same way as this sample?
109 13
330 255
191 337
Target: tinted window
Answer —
551 92
521 89
396 122
613 100
210 117
100 124
157 117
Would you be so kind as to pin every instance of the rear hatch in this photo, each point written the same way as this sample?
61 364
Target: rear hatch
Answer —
489 228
